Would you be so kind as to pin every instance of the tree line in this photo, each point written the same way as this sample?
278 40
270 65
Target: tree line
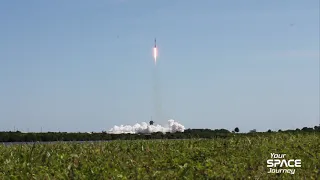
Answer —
18 136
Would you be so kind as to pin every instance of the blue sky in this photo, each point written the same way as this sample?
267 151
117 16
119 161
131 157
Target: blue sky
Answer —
87 65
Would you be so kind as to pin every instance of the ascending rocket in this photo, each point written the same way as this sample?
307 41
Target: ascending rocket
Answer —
155 51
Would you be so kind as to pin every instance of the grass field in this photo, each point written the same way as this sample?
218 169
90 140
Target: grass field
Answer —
233 158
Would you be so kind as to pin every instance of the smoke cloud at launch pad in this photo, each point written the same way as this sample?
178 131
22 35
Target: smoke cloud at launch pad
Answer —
145 128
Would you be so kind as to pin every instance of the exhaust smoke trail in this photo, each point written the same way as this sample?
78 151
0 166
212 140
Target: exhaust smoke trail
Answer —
157 97
156 87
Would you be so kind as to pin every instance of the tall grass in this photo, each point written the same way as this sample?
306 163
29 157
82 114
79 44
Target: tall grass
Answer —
237 157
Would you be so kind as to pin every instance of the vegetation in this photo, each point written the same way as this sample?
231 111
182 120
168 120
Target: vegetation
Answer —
103 136
236 157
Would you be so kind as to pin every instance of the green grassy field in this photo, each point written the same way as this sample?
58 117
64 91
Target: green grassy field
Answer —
233 158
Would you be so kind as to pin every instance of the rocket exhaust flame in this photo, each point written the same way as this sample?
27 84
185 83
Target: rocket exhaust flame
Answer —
155 54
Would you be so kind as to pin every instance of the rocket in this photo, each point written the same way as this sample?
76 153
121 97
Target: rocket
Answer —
155 51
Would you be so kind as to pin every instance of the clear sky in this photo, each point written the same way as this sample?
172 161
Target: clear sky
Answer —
82 65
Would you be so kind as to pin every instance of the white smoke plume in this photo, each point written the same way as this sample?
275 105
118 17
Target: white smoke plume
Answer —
146 128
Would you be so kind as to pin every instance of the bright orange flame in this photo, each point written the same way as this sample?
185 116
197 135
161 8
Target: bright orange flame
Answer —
155 54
